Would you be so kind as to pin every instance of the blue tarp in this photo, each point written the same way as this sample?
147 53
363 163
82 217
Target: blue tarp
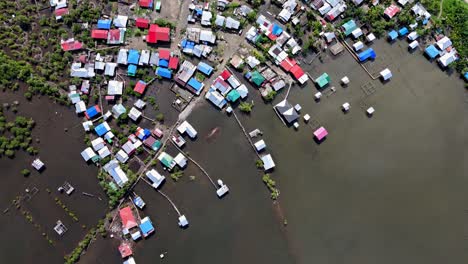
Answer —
195 84
92 112
392 35
368 53
403 31
133 56
104 23
163 63
205 68
146 227
163 72
276 30
466 76
101 129
131 71
431 51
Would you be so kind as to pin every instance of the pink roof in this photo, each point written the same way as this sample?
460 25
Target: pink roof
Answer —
128 220
99 34
125 250
140 87
145 3
225 74
71 45
61 12
157 132
164 54
114 35
391 11
109 98
297 71
173 63
142 23
320 133
157 33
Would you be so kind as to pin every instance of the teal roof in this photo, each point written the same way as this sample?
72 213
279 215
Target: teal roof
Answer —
233 96
349 27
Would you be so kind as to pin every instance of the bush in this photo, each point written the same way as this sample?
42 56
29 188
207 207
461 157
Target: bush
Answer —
160 117
246 107
25 172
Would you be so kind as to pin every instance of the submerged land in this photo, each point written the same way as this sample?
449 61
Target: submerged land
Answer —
386 187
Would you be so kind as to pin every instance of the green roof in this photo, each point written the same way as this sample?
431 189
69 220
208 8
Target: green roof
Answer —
257 78
156 145
233 96
323 80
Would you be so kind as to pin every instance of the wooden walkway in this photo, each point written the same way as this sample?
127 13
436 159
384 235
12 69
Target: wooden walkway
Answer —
245 133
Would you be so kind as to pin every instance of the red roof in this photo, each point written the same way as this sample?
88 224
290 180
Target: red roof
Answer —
99 34
174 63
225 74
61 12
157 33
297 71
114 35
164 54
140 87
287 64
272 36
145 3
142 23
125 250
391 11
128 220
71 45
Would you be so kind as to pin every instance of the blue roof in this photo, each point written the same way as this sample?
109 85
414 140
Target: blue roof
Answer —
101 129
368 53
163 72
276 30
195 84
131 69
392 35
146 227
205 68
199 11
432 51
163 63
92 112
133 56
403 31
104 23
466 76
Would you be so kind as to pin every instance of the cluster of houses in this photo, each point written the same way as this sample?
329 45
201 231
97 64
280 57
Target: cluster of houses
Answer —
111 30
283 43
185 76
442 50
226 88
60 8
331 9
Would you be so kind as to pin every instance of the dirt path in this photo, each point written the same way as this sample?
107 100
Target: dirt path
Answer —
441 8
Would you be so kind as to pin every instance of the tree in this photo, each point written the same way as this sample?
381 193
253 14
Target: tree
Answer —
160 117
24 22
25 172
246 107
252 16
270 96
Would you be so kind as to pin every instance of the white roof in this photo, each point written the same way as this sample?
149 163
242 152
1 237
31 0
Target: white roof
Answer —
448 58
324 9
183 221
186 127
104 152
119 176
122 57
130 260
88 153
155 178
144 57
358 45
252 61
121 156
87 125
98 143
444 43
243 91
259 145
99 65
268 162
216 98
134 114
139 104
121 21
181 160
414 44
413 35
285 15
80 107
357 33
386 74
370 37
207 36
231 23
220 20
110 68
206 18
114 87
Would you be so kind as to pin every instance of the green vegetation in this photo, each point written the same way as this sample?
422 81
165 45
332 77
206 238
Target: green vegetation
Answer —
66 209
246 107
113 192
259 164
164 23
270 96
160 117
177 174
76 253
271 184
375 19
25 172
16 135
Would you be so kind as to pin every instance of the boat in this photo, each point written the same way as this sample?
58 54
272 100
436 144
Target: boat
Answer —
139 202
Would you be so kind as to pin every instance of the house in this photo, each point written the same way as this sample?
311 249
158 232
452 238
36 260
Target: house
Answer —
163 72
118 110
236 61
367 54
134 114
74 97
186 127
447 58
233 96
444 43
87 125
216 98
109 135
110 68
257 78
268 162
146 3
120 21
195 86
205 68
220 85
156 178
357 33
59 13
102 129
80 107
391 11
157 33
121 156
140 87
432 52
207 36
323 80
206 18
104 24
130 260
77 71
233 24
349 27
131 70
146 226
89 154
252 62
98 143
133 56
71 44
122 57
104 152
186 71
403 31
129 148
152 143
85 87
287 111
116 36
420 11
260 145
181 160
92 112
299 74
220 20
144 57
173 63
243 91
125 250
167 160
114 170
222 4
114 87
127 217
392 35
142 23
99 34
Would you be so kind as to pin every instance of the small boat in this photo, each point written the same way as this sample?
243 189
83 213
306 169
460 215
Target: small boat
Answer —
139 202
